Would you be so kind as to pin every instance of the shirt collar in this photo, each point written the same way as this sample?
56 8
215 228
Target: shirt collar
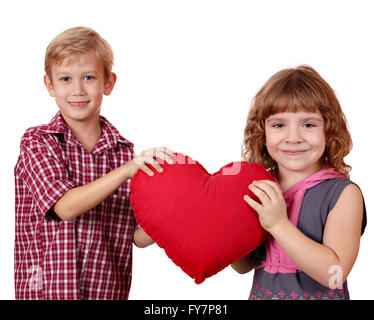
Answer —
109 137
109 134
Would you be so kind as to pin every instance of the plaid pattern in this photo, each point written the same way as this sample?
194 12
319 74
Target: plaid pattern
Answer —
89 257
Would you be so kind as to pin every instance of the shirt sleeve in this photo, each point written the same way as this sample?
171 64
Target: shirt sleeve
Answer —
44 174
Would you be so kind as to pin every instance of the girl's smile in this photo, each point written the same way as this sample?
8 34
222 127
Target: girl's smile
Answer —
293 152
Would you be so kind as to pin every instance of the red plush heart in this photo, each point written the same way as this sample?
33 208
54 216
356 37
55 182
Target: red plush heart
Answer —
201 220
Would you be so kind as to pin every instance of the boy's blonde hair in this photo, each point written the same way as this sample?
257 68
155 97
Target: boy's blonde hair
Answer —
292 90
78 40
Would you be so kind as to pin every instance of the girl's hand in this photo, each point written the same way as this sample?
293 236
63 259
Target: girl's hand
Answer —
272 210
153 157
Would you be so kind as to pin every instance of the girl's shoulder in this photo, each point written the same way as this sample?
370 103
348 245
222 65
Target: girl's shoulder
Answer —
321 199
351 203
330 190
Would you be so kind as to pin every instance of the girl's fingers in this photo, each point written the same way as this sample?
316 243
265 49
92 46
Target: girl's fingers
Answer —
276 189
254 204
261 194
265 188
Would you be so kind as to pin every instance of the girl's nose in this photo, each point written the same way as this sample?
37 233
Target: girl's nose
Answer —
293 135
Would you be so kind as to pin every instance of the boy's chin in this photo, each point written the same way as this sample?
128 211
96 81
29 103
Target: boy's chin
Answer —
79 114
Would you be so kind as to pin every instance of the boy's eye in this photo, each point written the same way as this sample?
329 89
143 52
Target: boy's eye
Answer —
65 79
88 77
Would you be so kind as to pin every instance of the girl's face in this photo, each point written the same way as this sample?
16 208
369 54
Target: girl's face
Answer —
296 141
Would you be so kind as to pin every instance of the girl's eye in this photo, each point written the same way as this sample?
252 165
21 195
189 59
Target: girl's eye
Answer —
88 77
309 125
278 125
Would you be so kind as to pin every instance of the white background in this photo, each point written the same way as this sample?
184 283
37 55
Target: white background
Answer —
187 71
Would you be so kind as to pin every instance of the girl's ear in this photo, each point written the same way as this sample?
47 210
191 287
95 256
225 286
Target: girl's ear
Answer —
49 85
109 85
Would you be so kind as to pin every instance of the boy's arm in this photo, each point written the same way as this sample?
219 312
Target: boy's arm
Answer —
82 199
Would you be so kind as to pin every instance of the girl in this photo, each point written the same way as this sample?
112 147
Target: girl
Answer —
314 214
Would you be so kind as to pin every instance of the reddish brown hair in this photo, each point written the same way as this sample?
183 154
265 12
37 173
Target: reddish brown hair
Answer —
292 90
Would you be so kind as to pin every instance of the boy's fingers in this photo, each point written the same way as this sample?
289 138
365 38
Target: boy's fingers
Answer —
164 157
151 161
166 150
147 170
153 151
157 167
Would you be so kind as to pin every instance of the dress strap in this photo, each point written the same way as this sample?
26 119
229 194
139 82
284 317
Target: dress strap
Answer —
278 267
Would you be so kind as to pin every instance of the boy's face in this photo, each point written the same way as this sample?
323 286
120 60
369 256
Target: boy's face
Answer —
78 84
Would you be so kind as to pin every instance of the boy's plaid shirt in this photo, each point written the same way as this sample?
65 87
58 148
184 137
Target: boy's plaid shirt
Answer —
89 257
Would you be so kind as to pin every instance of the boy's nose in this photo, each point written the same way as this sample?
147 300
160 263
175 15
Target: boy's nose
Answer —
78 88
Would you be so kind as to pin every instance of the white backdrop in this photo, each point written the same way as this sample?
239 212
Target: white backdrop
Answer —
187 71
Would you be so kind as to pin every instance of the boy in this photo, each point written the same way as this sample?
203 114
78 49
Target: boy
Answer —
74 223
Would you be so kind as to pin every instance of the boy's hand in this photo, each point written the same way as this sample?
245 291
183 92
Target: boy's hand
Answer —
153 157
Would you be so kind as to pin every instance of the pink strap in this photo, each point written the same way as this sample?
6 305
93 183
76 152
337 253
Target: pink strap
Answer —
286 268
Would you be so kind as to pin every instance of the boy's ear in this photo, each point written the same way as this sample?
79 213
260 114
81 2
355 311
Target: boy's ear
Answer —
49 85
109 85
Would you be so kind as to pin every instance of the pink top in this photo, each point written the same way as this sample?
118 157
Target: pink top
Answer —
277 260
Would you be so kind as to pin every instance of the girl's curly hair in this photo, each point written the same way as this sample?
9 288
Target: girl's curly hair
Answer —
292 90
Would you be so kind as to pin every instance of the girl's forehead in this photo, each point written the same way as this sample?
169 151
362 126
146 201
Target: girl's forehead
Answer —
298 115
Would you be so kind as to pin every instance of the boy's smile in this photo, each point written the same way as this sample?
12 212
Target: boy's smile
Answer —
296 141
78 85
79 104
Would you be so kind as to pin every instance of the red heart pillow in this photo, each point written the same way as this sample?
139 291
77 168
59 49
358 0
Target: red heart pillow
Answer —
201 220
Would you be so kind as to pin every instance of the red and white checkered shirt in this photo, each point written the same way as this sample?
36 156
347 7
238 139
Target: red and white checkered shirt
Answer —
89 257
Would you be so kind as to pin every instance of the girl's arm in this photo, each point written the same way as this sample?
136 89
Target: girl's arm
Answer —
243 265
141 239
329 262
